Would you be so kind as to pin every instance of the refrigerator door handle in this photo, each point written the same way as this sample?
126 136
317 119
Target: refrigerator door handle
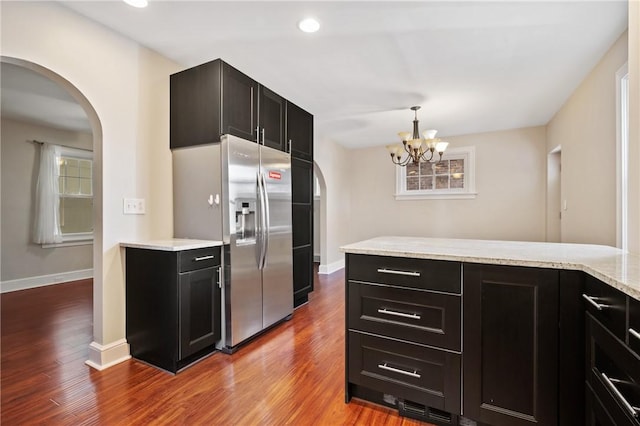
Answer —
259 216
263 216
266 229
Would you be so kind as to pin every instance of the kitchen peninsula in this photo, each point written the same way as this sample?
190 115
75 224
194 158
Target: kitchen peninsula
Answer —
494 332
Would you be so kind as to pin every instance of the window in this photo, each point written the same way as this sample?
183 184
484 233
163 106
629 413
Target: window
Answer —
452 177
64 197
75 189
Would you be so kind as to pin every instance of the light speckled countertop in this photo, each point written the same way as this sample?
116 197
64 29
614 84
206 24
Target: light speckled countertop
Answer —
172 244
610 265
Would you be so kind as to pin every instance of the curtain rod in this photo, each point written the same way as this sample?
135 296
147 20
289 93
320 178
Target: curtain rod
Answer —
66 146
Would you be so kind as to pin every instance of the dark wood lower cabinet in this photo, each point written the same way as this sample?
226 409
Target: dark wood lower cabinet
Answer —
173 305
510 345
527 334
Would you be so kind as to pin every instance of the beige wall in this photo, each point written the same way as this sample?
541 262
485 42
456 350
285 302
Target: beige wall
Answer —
510 181
128 88
585 128
333 162
20 257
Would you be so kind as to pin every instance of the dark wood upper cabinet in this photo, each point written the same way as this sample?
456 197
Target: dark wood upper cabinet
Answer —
510 344
299 132
239 104
195 96
214 98
272 110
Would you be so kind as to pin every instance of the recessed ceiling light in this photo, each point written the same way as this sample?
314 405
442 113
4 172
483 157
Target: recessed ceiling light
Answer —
309 25
136 3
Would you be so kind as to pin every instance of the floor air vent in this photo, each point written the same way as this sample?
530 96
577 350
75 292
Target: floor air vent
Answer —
421 412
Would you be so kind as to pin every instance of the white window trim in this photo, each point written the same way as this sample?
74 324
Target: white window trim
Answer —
77 238
468 192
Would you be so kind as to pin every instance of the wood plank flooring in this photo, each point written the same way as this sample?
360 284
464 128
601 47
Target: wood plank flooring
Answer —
293 374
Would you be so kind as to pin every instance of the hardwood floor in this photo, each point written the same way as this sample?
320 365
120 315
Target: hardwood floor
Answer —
293 374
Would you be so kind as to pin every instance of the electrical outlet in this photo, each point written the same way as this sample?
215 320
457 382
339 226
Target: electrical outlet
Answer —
133 206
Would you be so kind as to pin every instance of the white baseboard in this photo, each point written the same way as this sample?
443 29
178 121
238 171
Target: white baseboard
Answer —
316 258
105 356
43 280
331 267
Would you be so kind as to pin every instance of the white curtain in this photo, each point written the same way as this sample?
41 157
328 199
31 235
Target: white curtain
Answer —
46 227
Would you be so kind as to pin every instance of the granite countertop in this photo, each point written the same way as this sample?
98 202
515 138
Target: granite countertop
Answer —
610 265
172 244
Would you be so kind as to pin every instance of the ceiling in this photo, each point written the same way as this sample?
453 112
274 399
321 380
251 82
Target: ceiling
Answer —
28 96
473 66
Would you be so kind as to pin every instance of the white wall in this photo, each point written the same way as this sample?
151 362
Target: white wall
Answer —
510 181
128 87
21 258
585 127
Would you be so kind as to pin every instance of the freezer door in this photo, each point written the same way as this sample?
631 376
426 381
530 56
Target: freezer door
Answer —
243 295
277 274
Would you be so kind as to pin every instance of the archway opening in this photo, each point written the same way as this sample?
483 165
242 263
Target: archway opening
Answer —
96 177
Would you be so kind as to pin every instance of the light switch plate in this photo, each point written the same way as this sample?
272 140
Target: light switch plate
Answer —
133 206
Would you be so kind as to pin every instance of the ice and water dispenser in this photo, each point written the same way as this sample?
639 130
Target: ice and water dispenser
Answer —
245 222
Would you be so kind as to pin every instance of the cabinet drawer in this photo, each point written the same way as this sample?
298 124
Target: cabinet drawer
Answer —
426 376
607 304
418 316
427 274
190 260
633 330
613 371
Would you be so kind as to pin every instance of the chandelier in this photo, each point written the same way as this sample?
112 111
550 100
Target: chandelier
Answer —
419 150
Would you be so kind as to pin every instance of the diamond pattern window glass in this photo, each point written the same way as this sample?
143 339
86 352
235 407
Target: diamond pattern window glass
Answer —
452 177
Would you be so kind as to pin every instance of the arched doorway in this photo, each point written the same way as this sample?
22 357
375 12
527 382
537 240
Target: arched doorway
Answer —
96 130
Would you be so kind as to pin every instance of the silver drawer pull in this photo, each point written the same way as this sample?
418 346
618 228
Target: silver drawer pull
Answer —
198 259
397 370
399 314
611 384
395 272
634 333
594 302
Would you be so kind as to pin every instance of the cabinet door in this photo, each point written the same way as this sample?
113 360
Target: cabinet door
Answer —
195 105
239 104
510 345
301 182
300 132
271 112
302 274
199 316
302 221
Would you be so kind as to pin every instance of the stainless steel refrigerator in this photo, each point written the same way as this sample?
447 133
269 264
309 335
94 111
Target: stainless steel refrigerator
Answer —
239 192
